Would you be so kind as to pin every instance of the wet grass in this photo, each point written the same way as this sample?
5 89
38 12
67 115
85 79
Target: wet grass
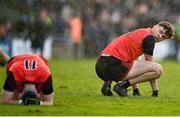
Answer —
77 92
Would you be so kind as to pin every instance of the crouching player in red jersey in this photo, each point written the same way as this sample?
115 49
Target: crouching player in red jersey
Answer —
28 81
117 61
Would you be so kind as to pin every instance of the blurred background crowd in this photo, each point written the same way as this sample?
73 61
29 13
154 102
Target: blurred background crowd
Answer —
80 28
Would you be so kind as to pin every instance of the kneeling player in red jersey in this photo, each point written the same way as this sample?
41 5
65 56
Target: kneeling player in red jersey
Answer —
28 81
118 61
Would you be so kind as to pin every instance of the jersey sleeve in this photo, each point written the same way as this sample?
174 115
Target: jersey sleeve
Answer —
48 87
148 45
9 84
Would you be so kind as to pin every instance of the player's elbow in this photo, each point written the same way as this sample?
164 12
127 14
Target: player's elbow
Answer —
48 100
5 101
51 103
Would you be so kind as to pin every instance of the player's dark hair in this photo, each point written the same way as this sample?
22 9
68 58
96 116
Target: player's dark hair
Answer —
168 27
28 94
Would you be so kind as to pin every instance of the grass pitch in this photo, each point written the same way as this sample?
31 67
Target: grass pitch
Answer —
77 92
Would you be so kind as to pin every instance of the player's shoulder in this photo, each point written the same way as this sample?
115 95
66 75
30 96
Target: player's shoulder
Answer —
144 30
43 59
44 72
43 68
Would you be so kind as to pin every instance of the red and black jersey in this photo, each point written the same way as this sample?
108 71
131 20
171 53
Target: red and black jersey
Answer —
28 68
130 46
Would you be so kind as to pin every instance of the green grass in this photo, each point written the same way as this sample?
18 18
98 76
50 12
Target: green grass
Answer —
77 92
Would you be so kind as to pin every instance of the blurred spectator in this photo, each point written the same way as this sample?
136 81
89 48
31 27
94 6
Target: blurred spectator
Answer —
177 38
90 39
5 44
111 17
95 38
75 24
38 31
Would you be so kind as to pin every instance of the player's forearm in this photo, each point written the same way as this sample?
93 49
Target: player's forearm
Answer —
47 103
9 97
11 101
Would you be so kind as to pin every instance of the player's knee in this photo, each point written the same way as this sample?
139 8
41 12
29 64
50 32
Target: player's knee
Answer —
158 70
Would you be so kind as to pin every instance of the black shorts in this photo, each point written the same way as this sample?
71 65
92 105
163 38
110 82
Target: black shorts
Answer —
109 68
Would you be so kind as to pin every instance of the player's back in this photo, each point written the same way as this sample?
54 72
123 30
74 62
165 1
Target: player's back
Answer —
128 46
26 57
29 68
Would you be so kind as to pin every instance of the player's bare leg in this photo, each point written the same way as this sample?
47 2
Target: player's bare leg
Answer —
141 71
154 86
136 91
141 67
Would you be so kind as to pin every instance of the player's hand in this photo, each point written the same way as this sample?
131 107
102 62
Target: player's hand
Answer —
31 101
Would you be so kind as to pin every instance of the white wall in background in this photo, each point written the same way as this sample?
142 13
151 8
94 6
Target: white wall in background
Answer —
20 46
161 51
